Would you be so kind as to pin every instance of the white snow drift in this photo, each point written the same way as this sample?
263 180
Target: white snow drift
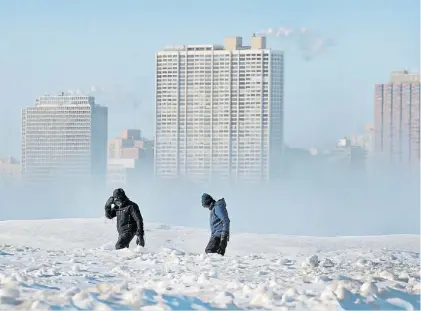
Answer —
72 264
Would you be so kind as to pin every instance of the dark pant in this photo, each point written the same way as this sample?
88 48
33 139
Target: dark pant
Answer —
124 239
213 245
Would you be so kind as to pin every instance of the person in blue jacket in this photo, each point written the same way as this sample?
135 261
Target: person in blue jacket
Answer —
219 224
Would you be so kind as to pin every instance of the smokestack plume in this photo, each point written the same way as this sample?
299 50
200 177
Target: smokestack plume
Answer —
308 42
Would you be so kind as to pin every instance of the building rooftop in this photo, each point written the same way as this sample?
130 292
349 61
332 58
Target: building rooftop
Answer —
194 47
231 43
65 98
404 76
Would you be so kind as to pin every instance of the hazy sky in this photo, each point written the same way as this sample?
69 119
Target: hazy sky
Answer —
49 46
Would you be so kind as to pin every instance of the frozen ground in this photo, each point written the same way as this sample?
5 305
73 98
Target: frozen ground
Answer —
71 264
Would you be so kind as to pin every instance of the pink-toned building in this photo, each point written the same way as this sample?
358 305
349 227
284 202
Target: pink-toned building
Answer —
397 119
130 158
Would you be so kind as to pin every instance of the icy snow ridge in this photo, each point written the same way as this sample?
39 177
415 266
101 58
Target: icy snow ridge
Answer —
59 268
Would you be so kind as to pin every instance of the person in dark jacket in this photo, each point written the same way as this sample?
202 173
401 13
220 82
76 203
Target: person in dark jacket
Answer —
129 219
219 224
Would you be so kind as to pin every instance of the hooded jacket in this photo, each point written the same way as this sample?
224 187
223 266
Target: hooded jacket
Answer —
219 220
129 218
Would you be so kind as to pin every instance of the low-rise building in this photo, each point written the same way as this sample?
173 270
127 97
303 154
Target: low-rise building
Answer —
122 172
347 156
130 158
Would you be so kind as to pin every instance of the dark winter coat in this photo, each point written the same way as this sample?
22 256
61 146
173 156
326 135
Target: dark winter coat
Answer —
129 218
219 220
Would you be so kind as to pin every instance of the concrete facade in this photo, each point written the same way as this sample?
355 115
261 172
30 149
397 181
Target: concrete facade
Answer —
219 111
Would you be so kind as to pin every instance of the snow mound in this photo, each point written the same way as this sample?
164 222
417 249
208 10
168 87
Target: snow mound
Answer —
78 269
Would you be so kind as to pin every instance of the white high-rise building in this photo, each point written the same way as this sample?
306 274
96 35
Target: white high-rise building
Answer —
64 137
219 111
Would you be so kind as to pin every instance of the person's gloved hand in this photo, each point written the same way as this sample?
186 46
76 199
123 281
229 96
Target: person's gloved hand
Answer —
109 201
140 240
223 244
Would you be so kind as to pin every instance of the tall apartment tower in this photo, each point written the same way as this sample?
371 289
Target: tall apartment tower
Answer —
219 111
397 118
64 137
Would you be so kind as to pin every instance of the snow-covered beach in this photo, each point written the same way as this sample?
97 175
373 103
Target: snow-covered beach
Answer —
69 264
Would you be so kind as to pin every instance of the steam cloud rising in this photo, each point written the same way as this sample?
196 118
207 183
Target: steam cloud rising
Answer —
309 42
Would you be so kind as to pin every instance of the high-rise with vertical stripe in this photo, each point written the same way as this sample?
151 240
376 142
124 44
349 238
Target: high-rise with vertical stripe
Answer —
397 119
219 111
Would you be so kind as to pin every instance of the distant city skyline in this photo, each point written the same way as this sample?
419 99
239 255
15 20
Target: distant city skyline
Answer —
48 47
